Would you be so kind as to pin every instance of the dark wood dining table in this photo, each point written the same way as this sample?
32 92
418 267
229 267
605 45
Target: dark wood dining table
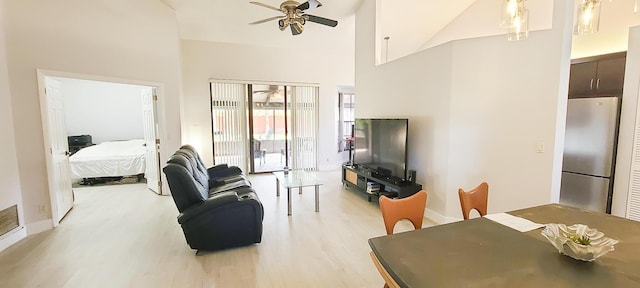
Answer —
483 253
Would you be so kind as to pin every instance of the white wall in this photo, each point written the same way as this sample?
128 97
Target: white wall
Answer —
121 39
10 191
203 61
505 99
413 87
476 109
106 111
628 123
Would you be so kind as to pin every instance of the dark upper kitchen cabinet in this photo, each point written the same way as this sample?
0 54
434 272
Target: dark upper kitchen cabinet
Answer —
596 76
582 77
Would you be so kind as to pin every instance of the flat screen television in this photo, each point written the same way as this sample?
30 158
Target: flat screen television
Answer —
381 143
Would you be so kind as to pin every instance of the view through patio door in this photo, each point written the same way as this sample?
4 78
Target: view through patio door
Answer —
280 126
268 123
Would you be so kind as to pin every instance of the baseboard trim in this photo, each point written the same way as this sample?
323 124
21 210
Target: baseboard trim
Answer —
438 218
40 226
328 167
12 237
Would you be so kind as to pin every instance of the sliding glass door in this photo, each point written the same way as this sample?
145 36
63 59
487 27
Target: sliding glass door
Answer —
267 118
273 126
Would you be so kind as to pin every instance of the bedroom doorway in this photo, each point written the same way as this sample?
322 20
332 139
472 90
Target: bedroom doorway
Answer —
117 115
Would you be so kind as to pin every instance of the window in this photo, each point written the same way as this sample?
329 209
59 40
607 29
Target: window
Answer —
347 114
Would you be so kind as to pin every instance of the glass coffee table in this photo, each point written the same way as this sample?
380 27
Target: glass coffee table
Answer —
297 179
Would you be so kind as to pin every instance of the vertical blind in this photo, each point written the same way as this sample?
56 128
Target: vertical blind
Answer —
633 198
304 128
228 108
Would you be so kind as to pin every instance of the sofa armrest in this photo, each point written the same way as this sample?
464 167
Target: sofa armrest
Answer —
222 172
218 167
217 200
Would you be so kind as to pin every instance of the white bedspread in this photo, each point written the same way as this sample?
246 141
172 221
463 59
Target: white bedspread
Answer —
108 159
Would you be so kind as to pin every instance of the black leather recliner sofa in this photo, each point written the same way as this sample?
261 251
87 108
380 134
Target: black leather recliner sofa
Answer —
218 207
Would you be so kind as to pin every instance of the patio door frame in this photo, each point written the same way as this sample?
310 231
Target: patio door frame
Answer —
250 131
249 120
250 128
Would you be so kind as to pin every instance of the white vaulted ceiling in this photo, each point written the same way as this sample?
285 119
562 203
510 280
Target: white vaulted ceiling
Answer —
413 25
227 21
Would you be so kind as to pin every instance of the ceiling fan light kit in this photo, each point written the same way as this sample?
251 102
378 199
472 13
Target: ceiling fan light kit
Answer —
295 15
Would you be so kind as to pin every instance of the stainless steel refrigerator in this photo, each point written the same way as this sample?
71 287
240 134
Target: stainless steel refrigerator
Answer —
589 151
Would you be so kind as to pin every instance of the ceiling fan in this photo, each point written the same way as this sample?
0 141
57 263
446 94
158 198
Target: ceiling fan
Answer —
295 15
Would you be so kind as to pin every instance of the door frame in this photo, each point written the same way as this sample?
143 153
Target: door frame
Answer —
248 145
42 74
250 128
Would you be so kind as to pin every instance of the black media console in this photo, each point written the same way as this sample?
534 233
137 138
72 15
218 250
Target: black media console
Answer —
394 187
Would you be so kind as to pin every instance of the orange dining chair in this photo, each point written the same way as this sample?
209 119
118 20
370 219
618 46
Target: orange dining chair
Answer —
474 199
410 208
394 210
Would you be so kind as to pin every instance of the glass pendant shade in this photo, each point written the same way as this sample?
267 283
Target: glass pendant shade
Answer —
511 9
587 17
519 28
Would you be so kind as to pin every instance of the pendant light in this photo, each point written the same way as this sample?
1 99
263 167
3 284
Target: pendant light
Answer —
515 17
510 10
587 17
519 29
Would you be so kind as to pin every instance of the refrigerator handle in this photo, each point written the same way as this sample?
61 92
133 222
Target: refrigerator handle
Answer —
598 84
591 84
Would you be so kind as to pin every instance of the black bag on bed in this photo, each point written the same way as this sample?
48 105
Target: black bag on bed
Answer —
78 142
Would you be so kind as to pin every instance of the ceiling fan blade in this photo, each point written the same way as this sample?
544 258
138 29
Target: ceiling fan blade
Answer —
320 20
267 20
296 28
311 4
266 6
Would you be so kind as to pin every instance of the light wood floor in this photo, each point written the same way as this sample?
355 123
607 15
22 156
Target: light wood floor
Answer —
126 236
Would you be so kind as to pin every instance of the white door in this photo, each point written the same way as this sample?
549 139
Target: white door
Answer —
59 176
151 155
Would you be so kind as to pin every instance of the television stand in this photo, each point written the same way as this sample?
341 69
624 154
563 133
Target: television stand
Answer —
393 187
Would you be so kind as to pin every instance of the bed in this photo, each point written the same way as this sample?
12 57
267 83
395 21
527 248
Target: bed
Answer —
109 159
